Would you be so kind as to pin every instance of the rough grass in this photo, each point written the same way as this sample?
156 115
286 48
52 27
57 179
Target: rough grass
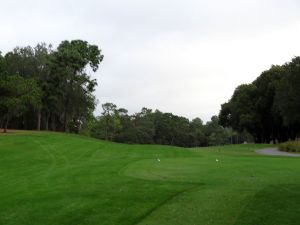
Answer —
291 146
53 178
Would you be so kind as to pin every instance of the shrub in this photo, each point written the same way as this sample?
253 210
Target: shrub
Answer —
291 146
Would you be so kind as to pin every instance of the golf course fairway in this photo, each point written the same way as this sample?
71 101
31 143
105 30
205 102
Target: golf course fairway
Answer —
55 178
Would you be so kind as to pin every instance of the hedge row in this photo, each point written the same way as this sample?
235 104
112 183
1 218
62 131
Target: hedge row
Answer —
291 146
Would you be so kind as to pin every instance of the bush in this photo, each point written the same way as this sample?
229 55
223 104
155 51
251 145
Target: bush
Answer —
291 146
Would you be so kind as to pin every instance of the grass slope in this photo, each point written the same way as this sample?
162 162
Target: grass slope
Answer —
53 178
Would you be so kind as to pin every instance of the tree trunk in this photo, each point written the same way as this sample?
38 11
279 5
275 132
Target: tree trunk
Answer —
6 125
39 116
172 140
106 129
65 122
47 122
53 122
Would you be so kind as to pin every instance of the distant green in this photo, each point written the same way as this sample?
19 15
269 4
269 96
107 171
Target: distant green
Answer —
53 178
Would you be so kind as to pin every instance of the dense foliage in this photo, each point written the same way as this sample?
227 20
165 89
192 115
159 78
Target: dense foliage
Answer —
269 107
49 89
290 146
148 127
42 88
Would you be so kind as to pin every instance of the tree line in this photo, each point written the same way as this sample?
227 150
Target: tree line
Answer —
51 89
42 88
268 108
46 88
156 127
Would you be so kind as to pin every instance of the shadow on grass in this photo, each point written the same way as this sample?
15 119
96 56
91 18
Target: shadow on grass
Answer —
274 205
173 196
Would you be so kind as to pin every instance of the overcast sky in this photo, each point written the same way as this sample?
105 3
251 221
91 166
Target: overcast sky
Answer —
184 57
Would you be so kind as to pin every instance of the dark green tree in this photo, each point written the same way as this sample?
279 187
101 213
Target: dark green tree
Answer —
288 92
17 94
217 135
69 65
268 107
197 133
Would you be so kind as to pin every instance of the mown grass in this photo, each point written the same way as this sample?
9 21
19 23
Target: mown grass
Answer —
54 178
290 146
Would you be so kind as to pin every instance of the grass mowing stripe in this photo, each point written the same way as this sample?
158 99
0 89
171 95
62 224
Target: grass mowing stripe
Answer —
172 197
54 178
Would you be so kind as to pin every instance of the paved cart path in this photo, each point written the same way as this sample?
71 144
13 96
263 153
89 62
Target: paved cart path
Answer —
276 152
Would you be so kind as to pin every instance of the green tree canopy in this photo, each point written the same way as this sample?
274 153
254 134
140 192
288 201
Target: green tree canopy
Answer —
17 93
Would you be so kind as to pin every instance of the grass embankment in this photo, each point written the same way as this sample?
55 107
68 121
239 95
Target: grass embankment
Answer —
291 146
53 178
